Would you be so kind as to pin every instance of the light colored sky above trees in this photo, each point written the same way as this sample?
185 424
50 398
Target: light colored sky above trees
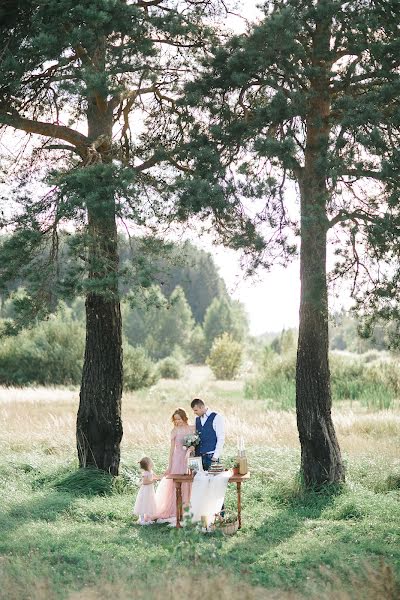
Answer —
271 299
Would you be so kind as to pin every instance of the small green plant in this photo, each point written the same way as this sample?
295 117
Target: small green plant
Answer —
229 517
231 462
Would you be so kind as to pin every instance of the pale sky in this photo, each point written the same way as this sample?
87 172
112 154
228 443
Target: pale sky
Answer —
271 299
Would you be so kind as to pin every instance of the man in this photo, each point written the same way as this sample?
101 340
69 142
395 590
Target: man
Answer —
210 425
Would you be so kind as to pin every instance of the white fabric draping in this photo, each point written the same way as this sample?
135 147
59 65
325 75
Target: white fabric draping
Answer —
208 493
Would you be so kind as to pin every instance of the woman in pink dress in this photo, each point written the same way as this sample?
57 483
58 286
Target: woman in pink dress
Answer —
178 458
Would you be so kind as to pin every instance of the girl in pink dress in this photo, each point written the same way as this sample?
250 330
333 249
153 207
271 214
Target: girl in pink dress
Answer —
145 505
178 458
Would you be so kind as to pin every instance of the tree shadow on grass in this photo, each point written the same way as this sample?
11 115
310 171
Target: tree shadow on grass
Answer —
53 493
261 552
258 549
46 508
300 539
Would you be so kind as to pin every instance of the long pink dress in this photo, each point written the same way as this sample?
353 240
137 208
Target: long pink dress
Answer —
165 494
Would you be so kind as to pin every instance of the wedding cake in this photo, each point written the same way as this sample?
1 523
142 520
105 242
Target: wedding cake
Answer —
216 468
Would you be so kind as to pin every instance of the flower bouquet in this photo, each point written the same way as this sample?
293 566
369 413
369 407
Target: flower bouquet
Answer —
191 439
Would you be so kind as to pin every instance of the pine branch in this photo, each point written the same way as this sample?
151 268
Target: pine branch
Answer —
359 173
176 44
159 158
130 96
51 130
62 147
344 215
150 162
145 4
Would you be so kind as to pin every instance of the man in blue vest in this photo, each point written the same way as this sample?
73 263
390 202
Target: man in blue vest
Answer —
210 425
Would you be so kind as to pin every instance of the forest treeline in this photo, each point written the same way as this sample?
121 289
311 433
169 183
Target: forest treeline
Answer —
181 309
183 314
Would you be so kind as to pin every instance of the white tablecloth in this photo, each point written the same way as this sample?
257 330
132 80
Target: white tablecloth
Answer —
208 493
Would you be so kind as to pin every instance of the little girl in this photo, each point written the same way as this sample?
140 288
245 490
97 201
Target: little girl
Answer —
145 505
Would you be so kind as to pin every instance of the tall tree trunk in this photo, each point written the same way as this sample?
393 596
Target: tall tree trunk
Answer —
99 425
320 453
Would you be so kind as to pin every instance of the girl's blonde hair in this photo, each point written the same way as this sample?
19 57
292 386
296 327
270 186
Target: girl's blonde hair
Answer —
182 413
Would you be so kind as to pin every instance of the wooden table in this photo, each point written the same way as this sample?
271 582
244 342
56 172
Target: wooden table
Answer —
179 479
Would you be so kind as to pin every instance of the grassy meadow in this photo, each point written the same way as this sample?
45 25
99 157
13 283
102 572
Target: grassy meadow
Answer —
65 536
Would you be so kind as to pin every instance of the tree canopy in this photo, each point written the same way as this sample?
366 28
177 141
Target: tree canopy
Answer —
96 86
307 100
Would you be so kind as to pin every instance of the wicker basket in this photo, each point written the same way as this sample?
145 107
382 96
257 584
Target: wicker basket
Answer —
226 528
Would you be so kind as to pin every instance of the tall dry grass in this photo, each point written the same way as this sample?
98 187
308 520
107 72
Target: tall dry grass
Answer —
44 418
375 582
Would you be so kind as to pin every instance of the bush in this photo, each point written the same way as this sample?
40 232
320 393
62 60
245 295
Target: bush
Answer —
49 354
279 389
86 482
139 370
275 379
170 368
225 357
373 383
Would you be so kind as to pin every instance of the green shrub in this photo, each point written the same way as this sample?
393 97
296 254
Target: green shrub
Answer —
170 368
390 483
279 390
348 377
139 370
51 353
225 357
373 383
275 379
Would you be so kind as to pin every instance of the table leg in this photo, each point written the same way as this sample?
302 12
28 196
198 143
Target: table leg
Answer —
178 489
239 502
180 504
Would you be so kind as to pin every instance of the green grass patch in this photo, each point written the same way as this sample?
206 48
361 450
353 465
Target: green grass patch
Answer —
64 530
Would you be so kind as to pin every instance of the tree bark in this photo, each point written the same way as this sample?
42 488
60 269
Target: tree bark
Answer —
99 425
320 453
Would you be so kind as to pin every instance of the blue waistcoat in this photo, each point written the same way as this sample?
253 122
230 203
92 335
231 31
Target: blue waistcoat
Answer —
208 437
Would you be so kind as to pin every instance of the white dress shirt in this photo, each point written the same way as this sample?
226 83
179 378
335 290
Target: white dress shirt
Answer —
218 426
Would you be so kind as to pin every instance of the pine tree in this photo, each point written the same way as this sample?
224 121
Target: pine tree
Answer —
224 316
95 85
306 101
184 265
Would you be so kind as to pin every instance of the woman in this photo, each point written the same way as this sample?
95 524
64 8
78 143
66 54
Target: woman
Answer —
178 455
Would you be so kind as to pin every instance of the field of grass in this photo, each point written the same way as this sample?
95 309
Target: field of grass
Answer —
67 537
